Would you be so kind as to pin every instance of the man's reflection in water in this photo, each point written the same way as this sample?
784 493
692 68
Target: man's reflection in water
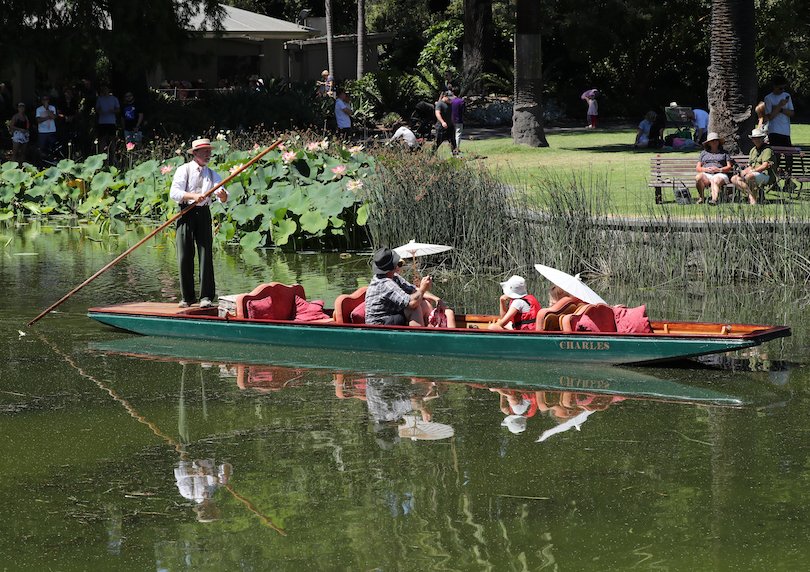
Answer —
198 480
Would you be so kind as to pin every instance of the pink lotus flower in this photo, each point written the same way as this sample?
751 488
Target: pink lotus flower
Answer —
130 146
288 157
356 149
339 171
166 169
354 185
314 146
281 147
235 168
255 146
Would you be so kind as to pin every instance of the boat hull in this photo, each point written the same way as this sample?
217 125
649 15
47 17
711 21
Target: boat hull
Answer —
583 347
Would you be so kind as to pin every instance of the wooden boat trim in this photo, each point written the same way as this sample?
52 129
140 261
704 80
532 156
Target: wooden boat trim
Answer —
676 330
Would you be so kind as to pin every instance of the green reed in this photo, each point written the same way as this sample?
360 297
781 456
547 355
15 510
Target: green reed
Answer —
569 222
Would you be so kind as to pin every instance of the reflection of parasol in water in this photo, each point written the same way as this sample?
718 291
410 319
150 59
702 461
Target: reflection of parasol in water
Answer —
415 428
414 249
571 284
574 422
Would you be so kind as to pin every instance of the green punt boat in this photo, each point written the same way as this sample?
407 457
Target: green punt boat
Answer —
264 368
669 341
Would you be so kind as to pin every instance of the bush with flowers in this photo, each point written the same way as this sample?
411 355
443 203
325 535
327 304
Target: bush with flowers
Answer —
301 190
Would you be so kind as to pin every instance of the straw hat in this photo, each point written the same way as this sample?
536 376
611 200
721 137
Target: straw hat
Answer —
758 133
200 144
713 136
515 287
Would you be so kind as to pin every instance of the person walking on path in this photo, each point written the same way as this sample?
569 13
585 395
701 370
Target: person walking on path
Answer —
593 110
191 181
457 115
445 130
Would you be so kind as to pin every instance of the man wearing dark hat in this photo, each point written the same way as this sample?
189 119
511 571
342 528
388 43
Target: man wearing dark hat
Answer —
191 181
390 299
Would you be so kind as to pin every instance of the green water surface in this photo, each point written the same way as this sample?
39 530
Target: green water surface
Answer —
122 453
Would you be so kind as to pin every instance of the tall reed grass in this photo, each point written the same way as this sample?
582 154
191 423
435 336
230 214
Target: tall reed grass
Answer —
569 223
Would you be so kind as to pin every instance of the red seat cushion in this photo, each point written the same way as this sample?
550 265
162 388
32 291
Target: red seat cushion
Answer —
309 311
358 315
632 320
261 309
598 318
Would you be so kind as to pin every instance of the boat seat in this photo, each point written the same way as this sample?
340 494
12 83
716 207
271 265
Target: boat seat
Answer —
345 305
597 318
281 295
548 319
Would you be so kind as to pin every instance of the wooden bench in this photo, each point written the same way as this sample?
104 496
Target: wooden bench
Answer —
678 172
791 178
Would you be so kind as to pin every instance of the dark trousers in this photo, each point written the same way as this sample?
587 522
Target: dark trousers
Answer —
194 229
448 135
781 141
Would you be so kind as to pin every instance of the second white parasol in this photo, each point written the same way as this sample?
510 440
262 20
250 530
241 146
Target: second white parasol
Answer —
571 284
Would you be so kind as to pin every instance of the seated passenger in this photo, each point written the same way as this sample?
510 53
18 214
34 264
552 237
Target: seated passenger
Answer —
518 309
713 168
644 128
760 170
555 294
390 299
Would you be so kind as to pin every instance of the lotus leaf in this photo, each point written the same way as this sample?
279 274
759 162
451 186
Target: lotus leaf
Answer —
245 213
362 214
282 232
66 166
102 181
251 240
9 166
16 177
296 202
313 222
6 214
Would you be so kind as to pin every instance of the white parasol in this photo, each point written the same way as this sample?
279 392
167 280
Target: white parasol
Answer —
414 428
414 249
571 284
574 422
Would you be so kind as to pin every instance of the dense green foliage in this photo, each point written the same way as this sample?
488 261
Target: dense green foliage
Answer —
305 190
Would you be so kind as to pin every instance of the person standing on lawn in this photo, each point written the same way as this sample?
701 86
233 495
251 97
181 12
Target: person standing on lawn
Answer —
457 115
778 111
445 131
191 181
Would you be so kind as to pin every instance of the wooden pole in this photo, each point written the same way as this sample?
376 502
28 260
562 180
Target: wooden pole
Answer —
154 232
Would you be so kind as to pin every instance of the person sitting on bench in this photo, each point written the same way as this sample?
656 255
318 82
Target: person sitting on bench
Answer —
760 170
713 168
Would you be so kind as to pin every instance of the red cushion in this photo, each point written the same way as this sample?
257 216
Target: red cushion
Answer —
598 318
632 320
309 311
358 315
261 309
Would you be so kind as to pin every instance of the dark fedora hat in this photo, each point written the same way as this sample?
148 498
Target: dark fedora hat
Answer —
385 260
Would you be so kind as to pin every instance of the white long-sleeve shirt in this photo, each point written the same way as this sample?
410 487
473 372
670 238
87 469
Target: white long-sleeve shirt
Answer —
193 178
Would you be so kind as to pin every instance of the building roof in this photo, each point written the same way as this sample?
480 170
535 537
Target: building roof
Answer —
238 23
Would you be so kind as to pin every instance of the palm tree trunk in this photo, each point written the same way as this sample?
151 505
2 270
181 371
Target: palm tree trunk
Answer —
361 37
330 62
732 73
527 117
478 32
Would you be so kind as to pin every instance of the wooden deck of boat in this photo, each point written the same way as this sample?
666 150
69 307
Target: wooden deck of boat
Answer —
156 309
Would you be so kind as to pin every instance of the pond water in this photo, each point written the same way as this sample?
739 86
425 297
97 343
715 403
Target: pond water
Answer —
128 453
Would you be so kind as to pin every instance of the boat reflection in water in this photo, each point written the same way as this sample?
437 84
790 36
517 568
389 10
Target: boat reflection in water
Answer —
399 389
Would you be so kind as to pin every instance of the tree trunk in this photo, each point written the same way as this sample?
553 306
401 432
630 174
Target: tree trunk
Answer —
527 117
732 73
478 32
330 61
361 37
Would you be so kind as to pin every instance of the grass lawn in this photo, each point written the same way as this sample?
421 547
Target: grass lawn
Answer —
593 156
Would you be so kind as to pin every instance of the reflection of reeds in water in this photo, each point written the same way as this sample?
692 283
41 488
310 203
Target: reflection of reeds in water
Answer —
569 222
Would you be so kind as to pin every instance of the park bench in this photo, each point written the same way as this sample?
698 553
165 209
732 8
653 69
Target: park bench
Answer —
677 172
791 180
